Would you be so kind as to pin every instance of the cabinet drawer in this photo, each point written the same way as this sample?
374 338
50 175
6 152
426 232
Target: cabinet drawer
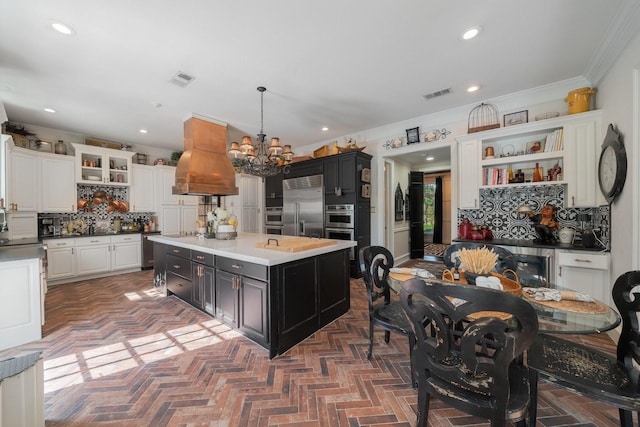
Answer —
202 258
243 268
126 238
584 260
60 243
94 240
181 252
179 266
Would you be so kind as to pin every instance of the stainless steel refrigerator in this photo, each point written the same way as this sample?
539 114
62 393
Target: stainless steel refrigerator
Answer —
303 206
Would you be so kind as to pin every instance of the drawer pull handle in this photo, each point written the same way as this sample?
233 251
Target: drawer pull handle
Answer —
177 267
199 257
582 260
94 241
176 251
236 266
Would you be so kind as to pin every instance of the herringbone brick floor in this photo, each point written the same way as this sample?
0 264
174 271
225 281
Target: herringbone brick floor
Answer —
118 353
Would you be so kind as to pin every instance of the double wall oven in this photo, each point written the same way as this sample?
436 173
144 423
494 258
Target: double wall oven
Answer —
273 223
339 221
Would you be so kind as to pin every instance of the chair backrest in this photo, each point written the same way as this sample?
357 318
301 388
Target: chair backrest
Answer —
628 304
460 355
375 262
506 259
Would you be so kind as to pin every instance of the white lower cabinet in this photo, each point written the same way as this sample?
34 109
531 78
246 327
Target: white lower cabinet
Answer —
92 256
61 259
20 302
585 272
126 252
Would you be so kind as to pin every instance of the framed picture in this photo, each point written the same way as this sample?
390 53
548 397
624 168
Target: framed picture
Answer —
413 135
44 146
535 147
516 118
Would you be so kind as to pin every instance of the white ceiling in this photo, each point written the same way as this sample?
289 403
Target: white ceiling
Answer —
349 65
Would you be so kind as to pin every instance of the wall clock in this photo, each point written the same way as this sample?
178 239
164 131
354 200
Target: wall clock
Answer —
612 168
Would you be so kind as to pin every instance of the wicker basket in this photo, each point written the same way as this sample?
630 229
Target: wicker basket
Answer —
508 285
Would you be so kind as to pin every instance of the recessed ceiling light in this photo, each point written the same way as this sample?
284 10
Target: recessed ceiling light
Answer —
473 88
49 110
324 128
429 158
143 131
470 33
62 28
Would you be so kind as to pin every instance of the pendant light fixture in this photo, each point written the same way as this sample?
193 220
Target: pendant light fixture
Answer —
263 159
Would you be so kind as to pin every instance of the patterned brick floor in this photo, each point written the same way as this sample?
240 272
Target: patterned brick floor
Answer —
118 353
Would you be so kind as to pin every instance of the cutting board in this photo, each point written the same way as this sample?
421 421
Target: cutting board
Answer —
295 244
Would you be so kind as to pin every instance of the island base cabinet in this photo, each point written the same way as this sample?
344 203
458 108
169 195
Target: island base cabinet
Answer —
298 315
227 298
333 292
253 318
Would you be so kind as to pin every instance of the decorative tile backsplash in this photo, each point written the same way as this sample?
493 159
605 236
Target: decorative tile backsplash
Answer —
498 210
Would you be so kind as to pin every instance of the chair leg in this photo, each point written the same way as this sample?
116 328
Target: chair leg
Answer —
412 341
387 335
423 407
370 340
626 418
533 397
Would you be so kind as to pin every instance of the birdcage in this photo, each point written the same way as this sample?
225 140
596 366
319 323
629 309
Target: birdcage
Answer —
484 117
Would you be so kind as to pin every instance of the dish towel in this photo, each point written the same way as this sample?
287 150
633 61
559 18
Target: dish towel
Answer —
418 272
546 294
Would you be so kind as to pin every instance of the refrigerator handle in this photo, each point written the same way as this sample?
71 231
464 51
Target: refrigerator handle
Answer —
302 227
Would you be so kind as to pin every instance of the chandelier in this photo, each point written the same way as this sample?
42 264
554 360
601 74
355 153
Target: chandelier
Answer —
262 159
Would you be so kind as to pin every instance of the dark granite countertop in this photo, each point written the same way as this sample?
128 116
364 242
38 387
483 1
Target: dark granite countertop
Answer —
531 244
65 236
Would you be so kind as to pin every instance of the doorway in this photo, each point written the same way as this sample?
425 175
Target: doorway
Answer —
430 226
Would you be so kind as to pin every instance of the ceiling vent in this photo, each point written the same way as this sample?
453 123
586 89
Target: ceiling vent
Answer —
438 93
182 79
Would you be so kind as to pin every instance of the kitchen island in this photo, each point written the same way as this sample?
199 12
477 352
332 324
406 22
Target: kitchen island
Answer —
274 297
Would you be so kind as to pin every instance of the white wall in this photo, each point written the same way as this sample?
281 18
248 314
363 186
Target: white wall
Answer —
615 96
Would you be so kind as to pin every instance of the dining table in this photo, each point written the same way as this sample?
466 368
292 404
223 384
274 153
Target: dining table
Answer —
555 317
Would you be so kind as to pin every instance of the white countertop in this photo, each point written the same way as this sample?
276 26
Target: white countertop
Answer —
243 247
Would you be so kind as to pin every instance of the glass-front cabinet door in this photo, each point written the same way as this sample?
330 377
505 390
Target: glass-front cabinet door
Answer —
96 165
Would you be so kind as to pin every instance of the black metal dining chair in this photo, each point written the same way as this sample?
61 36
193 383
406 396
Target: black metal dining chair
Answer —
375 262
470 361
592 373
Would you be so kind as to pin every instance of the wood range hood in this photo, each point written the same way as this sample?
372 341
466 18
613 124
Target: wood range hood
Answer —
204 168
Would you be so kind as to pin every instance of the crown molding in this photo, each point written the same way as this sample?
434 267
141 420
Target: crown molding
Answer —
622 29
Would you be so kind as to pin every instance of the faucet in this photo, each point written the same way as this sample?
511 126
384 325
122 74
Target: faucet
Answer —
3 225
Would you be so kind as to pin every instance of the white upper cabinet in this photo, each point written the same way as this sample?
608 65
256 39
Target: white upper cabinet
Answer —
97 165
142 198
58 186
166 179
40 182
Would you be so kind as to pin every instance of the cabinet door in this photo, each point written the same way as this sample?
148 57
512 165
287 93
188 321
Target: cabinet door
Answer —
469 178
126 255
23 225
170 219
306 168
584 272
203 279
582 149
24 181
61 263
188 218
273 190
227 297
254 309
20 321
209 290
92 259
165 180
58 184
333 298
142 188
